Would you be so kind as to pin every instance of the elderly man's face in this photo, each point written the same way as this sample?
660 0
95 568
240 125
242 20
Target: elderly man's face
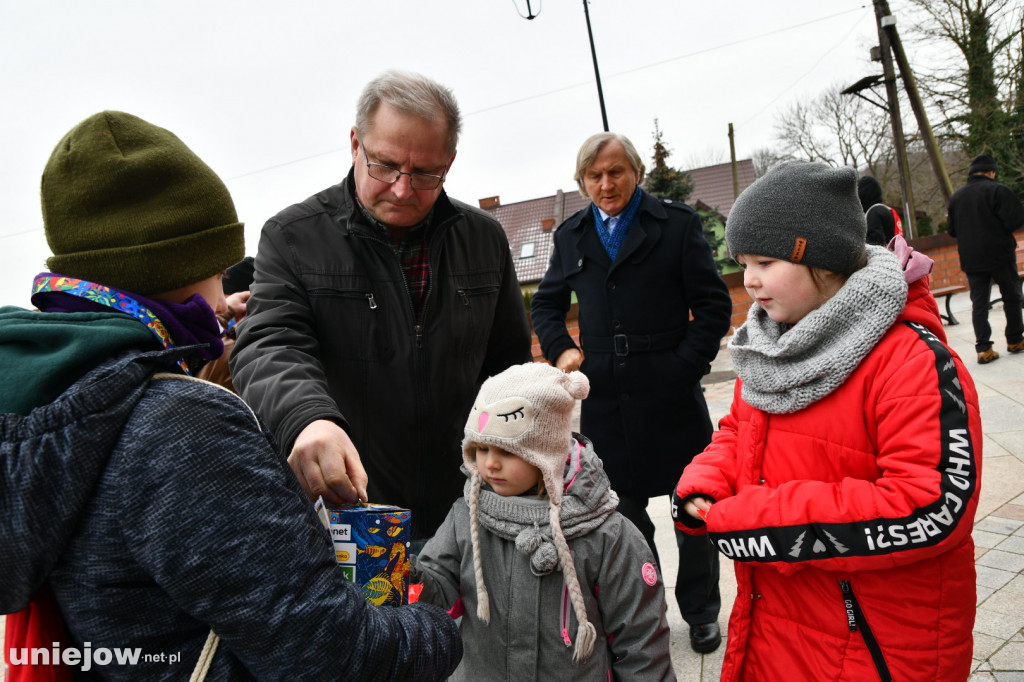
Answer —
610 180
410 144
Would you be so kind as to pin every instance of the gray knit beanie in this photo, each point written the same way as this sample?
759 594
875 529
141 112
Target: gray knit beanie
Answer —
128 205
527 411
802 212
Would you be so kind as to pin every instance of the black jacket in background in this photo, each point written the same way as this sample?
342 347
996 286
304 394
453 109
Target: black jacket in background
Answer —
983 215
645 413
330 334
881 223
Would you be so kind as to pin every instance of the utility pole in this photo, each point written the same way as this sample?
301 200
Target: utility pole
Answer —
888 23
597 74
732 157
883 19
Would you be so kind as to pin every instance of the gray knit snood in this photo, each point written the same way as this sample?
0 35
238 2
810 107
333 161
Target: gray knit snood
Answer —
786 370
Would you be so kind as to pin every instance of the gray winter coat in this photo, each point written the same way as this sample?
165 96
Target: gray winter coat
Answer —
531 620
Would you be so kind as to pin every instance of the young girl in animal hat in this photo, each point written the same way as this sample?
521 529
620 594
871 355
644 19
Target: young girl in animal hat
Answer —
844 480
555 583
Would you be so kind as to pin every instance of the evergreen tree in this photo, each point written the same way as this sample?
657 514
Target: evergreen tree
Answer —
662 180
666 182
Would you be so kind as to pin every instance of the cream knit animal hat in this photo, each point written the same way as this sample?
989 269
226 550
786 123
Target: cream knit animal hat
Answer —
526 411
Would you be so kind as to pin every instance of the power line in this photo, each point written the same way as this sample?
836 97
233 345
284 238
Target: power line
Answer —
827 52
528 98
616 75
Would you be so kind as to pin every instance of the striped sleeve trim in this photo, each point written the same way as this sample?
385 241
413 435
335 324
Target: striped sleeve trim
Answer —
924 527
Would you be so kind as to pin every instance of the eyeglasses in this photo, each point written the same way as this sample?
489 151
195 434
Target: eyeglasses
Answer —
378 171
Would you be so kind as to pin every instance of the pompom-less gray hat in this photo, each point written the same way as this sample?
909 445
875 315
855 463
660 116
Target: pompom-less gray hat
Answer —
802 212
526 411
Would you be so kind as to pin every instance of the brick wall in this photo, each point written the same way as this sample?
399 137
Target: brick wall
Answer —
941 248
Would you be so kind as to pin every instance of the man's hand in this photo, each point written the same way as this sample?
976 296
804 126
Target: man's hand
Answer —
698 507
327 463
569 360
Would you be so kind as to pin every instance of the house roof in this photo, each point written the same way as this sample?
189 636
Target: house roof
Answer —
533 222
712 185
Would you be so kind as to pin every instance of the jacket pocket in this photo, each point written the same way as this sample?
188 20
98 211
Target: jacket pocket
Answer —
855 621
473 300
354 319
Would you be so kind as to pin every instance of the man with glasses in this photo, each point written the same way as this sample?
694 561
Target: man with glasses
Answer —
379 306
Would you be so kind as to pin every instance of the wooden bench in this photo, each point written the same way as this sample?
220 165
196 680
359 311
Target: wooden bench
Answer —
948 293
956 289
1020 282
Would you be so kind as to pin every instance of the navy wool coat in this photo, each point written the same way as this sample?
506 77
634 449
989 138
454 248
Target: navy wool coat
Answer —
644 355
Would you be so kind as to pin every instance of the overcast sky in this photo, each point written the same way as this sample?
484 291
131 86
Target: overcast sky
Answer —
265 92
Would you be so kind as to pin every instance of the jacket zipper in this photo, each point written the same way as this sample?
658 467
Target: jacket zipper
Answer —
563 616
855 620
417 328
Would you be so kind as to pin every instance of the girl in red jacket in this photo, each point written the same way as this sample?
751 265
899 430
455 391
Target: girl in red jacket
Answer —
844 480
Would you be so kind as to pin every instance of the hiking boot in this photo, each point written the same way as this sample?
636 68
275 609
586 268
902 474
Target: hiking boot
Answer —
989 355
1015 347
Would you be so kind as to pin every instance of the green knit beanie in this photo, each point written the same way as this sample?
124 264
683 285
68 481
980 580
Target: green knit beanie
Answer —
802 212
128 205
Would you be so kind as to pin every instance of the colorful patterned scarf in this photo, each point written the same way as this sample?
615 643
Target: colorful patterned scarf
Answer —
173 324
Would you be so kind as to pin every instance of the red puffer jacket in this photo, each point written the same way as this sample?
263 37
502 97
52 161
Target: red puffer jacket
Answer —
850 520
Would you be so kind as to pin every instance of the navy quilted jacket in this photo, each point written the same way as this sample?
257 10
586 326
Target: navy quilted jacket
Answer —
156 508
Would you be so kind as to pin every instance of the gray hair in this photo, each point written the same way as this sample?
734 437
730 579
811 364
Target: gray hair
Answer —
593 146
413 94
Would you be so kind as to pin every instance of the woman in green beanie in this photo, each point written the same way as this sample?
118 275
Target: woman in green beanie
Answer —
144 509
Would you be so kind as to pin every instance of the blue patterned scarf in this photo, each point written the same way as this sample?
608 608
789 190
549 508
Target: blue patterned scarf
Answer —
613 241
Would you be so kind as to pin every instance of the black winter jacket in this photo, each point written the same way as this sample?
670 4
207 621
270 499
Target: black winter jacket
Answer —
330 334
983 215
644 356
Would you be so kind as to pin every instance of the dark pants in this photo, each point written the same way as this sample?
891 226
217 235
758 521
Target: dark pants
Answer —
1008 282
697 590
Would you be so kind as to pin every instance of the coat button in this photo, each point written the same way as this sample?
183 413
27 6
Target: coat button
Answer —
611 286
579 264
616 324
761 482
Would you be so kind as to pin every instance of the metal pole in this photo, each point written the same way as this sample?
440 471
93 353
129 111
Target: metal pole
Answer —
732 159
910 83
597 74
897 124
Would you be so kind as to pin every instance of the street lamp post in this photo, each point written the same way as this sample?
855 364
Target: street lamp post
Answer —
530 14
597 73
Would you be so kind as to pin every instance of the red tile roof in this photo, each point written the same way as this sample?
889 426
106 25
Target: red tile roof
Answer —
524 224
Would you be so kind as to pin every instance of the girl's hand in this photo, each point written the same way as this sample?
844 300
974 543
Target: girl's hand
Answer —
698 508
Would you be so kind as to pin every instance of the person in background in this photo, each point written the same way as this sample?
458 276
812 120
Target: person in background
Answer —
552 583
236 282
125 496
883 221
845 479
378 308
983 216
652 312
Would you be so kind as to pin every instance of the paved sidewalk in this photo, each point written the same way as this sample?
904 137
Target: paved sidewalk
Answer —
998 529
